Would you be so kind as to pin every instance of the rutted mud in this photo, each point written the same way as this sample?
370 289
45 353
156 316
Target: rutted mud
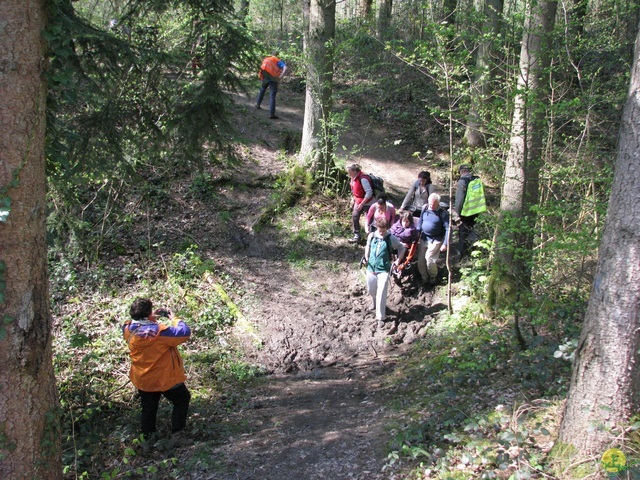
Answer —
321 412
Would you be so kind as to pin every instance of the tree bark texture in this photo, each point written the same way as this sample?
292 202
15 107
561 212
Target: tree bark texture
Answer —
514 241
473 135
29 432
316 146
384 19
605 386
366 7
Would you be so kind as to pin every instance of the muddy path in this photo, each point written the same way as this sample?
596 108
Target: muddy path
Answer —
321 412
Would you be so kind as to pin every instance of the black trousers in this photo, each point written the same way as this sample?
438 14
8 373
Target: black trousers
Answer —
465 231
179 396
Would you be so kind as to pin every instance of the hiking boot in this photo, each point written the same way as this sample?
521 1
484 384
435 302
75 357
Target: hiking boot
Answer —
178 440
355 239
372 306
258 107
380 323
273 117
148 442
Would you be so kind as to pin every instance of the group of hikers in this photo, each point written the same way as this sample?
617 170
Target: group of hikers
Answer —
389 233
156 366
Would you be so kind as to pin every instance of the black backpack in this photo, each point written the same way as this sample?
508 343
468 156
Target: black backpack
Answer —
377 184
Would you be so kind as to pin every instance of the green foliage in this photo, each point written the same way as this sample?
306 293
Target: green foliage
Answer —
305 228
290 186
91 360
5 208
230 368
123 100
475 274
276 23
394 98
449 421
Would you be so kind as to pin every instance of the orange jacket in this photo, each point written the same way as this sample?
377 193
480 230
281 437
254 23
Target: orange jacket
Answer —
272 66
156 365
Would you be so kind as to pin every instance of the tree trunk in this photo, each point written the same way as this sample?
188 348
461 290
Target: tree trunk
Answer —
449 11
29 429
511 272
577 17
473 135
365 8
384 19
605 387
316 149
244 10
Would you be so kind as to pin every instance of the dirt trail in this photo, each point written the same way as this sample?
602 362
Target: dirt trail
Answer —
321 413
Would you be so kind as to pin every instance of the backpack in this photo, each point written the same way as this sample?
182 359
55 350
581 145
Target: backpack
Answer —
270 69
474 200
374 243
377 184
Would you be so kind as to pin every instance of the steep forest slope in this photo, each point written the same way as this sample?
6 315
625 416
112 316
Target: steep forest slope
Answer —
307 310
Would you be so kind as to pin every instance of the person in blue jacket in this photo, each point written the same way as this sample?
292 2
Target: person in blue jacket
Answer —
434 237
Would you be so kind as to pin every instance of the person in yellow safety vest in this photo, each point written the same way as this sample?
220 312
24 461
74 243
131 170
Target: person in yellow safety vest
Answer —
467 221
271 72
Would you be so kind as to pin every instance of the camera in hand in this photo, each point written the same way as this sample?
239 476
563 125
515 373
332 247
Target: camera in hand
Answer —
163 312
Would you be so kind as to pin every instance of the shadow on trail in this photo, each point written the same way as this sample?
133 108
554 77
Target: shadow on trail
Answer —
324 424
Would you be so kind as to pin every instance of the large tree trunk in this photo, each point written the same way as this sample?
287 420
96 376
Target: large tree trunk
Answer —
511 273
29 430
605 386
384 19
473 135
316 149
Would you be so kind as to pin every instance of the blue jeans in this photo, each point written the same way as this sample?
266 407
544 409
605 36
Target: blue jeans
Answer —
273 88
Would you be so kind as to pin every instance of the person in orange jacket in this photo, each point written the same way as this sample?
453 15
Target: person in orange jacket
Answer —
271 72
156 365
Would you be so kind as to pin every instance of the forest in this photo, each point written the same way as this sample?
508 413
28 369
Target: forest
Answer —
137 161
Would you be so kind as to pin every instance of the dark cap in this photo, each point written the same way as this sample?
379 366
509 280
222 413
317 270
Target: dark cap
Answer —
464 167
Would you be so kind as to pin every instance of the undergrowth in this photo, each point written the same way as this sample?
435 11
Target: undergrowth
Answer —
471 406
92 362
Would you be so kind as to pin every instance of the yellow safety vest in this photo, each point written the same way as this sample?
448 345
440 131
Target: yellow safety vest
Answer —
474 201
